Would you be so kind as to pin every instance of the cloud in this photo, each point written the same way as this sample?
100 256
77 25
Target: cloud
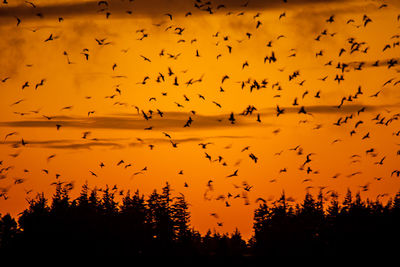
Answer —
388 62
328 109
89 145
169 121
184 140
148 8
176 121
68 144
114 143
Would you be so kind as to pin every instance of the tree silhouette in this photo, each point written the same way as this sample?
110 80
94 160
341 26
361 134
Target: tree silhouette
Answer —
160 224
8 232
354 228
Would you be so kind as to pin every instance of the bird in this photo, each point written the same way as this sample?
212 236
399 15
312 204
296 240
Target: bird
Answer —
258 117
188 122
50 38
380 162
331 19
253 157
396 172
102 41
30 3
204 145
279 111
245 148
26 84
50 157
232 118
145 58
85 134
217 104
9 134
376 94
307 159
366 136
235 173
169 15
40 83
302 110
366 20
174 144
225 77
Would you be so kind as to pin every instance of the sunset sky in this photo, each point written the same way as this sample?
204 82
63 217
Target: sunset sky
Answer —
121 79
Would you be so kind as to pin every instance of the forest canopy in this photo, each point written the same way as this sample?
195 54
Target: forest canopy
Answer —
159 224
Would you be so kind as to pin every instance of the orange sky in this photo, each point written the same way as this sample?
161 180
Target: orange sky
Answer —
111 82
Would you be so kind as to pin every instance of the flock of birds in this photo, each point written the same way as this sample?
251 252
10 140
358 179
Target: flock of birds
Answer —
169 77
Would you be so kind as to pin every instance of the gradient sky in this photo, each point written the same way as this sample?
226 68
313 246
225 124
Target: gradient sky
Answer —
131 46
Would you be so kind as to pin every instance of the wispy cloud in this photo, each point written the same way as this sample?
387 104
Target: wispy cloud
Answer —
169 121
184 140
88 145
147 8
328 109
113 143
387 62
68 144
176 120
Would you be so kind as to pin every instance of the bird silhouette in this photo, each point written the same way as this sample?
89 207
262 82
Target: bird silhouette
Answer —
235 173
169 15
279 111
50 38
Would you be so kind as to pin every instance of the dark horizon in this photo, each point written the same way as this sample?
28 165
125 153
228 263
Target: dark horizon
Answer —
160 225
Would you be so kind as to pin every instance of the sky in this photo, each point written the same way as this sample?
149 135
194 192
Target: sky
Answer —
230 102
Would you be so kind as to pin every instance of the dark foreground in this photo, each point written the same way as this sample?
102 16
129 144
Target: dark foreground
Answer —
158 227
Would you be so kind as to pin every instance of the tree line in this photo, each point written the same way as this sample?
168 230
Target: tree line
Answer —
159 225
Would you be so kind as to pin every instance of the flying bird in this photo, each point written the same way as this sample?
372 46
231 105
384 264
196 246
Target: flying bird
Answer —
169 15
235 173
50 38
279 111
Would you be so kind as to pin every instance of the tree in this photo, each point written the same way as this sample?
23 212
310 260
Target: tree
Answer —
8 231
160 219
334 208
237 246
60 201
108 205
181 218
83 199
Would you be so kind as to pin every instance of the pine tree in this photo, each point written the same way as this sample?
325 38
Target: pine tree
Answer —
8 231
107 203
83 199
181 218
60 201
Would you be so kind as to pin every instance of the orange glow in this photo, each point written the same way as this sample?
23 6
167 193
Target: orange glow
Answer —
101 74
